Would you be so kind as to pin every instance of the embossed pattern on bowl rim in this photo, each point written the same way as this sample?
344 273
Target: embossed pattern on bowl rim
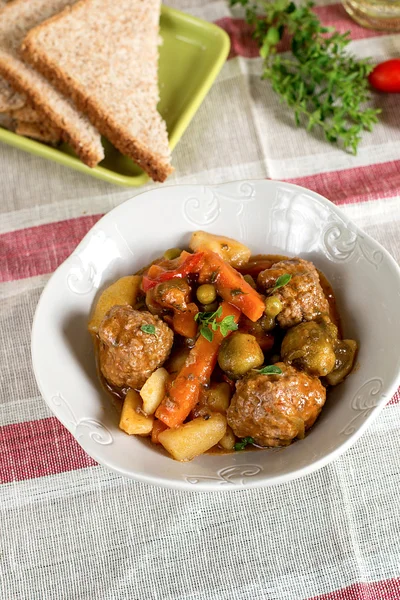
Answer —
289 218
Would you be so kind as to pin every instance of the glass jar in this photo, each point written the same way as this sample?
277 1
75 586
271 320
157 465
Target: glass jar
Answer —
375 14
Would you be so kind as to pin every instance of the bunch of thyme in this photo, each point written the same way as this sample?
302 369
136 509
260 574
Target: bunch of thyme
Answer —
324 85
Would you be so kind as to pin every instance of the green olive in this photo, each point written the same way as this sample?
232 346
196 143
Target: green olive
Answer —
206 293
273 306
330 328
239 353
172 253
308 347
250 281
268 323
345 352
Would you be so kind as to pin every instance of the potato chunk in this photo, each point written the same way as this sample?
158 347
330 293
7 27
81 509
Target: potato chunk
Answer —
229 439
235 253
122 292
132 420
194 438
153 390
176 360
219 397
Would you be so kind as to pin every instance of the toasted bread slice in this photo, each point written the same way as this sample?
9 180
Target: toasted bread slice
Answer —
38 131
26 114
7 122
9 98
16 18
104 55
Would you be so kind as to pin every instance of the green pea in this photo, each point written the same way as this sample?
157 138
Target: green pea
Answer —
273 306
172 253
268 323
206 293
250 281
210 307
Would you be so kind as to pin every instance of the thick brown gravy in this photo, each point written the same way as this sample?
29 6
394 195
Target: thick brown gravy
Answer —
272 258
117 395
330 296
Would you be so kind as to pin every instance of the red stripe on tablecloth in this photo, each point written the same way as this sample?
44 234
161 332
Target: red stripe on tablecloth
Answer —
240 34
396 398
38 250
45 447
359 184
334 15
388 589
39 448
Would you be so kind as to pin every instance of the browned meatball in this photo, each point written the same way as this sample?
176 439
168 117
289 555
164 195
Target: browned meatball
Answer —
275 409
127 354
302 298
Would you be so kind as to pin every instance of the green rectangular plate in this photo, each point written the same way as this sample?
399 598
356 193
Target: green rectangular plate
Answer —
191 56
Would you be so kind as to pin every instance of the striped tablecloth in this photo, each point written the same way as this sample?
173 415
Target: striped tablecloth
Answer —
70 529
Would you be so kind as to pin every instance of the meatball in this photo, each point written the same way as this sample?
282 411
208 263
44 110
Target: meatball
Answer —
275 409
173 294
127 354
302 298
310 347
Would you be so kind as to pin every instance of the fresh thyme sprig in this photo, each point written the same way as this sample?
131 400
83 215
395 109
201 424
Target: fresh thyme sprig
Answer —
269 370
209 319
325 85
241 444
150 329
281 282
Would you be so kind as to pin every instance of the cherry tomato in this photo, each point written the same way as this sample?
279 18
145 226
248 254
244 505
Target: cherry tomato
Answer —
386 76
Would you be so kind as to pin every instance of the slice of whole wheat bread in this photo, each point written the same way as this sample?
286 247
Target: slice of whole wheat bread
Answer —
7 122
38 131
16 19
26 114
9 98
104 55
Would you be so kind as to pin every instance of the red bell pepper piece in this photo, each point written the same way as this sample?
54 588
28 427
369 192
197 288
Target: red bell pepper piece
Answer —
188 263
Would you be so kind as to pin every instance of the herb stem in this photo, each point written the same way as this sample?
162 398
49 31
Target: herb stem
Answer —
326 87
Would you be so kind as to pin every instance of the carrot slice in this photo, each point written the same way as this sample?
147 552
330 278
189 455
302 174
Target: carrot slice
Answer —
183 321
158 427
183 393
231 286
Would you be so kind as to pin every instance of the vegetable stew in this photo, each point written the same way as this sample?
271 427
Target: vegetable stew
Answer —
212 348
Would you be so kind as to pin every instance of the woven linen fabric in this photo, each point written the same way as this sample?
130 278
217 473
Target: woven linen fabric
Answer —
69 529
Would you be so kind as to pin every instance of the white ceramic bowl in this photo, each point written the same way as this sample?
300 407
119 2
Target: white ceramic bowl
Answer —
271 217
